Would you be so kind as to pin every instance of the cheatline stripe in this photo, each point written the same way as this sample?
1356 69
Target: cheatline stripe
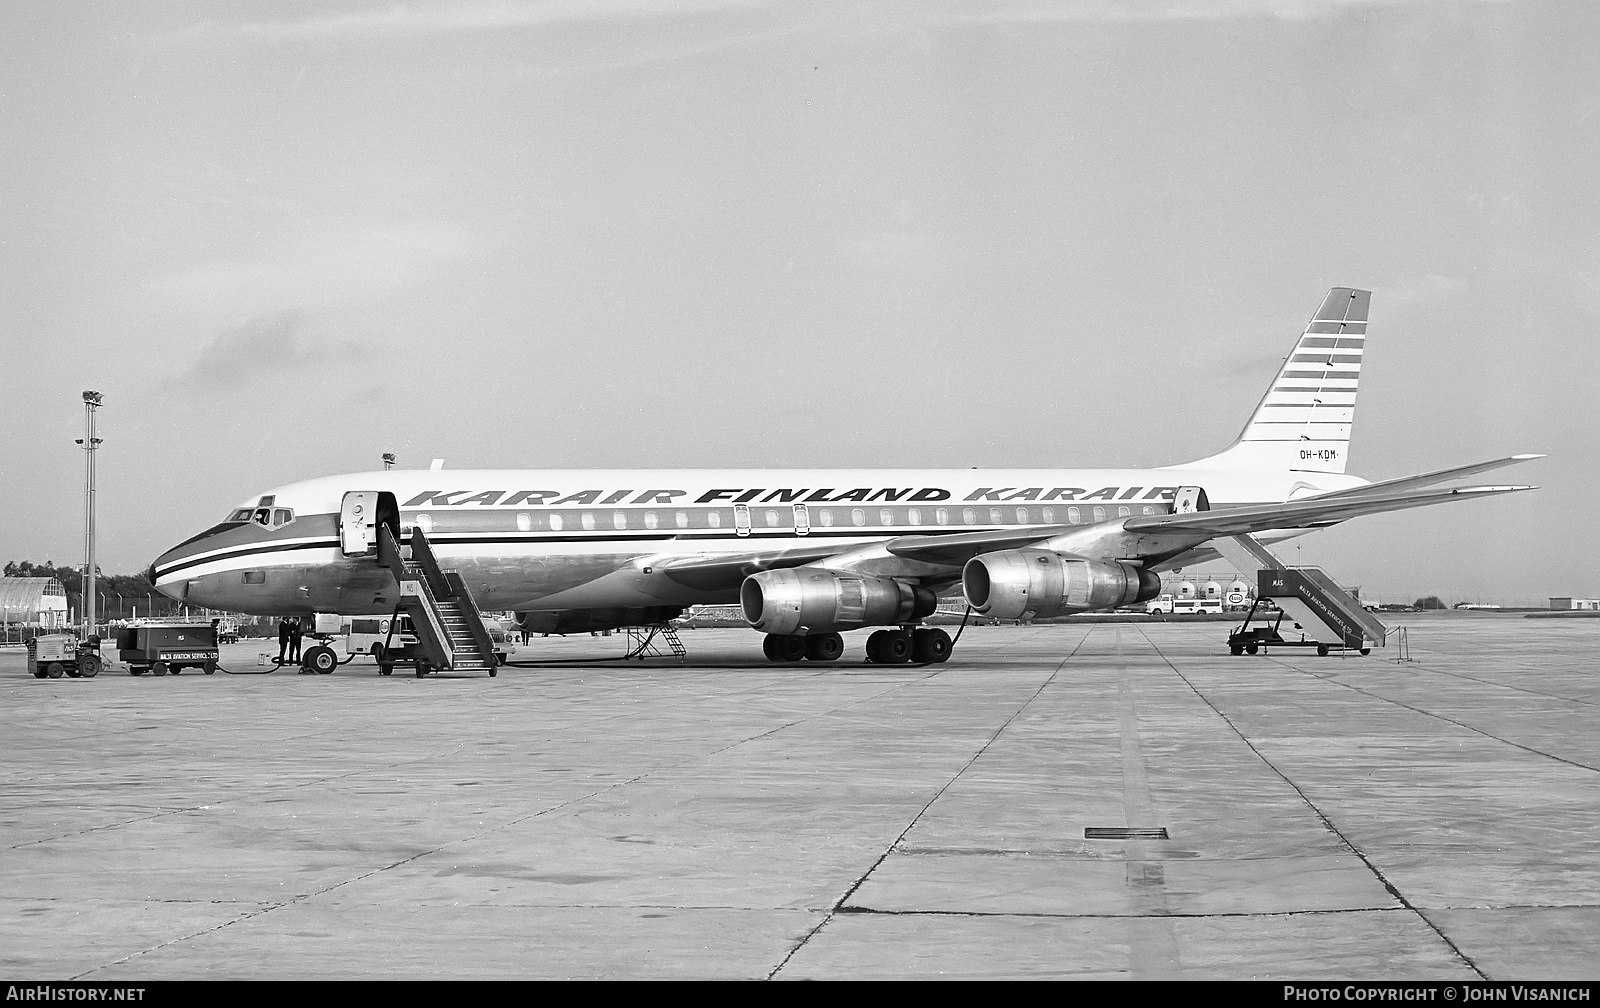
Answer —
491 538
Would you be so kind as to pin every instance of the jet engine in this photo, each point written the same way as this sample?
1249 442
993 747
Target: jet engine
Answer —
807 600
1027 583
563 621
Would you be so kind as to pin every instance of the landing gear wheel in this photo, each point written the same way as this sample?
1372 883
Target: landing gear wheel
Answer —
89 666
1252 648
493 672
895 647
1322 650
176 669
788 647
930 646
824 647
159 668
210 668
422 670
53 670
767 645
321 660
1366 650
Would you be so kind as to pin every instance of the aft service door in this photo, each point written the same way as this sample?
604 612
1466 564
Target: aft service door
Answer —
358 523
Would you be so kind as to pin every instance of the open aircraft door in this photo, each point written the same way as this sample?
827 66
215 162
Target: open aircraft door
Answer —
358 523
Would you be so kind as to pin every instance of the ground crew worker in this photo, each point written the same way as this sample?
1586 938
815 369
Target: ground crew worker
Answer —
283 638
294 640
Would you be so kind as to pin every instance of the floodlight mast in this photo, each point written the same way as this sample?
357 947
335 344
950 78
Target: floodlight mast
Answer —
91 402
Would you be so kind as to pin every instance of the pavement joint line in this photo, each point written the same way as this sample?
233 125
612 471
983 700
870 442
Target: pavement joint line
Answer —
1440 717
1316 810
834 910
1259 915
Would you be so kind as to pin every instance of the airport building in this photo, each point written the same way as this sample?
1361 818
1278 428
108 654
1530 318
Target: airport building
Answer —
1567 602
29 605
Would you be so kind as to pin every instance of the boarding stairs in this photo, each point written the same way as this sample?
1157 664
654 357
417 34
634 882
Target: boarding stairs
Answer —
642 642
1324 612
446 620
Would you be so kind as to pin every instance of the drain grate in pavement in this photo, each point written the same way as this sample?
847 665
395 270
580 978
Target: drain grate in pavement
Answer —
1124 833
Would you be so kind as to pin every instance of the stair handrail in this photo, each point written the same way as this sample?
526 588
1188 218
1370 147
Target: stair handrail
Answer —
433 633
422 556
441 636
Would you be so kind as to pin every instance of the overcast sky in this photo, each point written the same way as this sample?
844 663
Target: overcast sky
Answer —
285 237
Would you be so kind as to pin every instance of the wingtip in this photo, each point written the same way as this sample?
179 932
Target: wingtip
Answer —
1528 458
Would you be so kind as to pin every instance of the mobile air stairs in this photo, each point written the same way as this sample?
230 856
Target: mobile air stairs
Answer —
1328 617
450 633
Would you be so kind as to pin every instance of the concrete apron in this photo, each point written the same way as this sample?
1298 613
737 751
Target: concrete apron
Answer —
1327 817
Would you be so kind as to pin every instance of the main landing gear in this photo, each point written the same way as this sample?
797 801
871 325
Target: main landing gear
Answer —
884 647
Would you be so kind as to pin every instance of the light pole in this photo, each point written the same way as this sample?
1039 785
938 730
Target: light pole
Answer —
91 402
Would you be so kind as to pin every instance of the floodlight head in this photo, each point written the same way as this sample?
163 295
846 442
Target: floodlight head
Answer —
92 397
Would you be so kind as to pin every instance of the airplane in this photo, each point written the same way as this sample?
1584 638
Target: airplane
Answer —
811 553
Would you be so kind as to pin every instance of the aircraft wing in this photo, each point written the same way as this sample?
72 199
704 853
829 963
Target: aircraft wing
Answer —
954 549
1405 483
1303 513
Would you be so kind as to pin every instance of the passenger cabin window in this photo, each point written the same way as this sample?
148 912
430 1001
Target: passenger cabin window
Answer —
941 515
619 519
858 516
1022 516
885 516
524 523
1123 512
682 518
914 516
825 516
425 523
995 517
556 522
969 516
1099 514
1049 516
588 521
772 519
1073 515
650 520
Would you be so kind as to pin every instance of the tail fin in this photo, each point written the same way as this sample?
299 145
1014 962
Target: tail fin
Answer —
1303 422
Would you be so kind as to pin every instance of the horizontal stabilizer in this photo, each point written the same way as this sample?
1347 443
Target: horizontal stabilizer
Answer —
1303 513
1388 487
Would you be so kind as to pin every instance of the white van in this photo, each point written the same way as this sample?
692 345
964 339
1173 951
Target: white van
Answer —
1194 605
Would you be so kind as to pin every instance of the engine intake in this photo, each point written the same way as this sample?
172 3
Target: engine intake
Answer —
811 601
1027 583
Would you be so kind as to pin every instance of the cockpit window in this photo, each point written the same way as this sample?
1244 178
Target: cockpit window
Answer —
266 517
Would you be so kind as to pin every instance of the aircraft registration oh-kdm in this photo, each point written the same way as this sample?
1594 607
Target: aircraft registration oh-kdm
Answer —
810 553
